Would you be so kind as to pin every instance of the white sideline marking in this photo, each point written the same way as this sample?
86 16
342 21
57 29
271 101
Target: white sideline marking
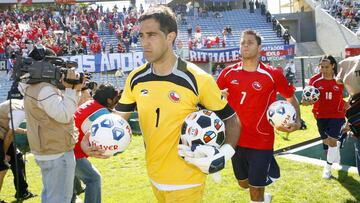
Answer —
314 161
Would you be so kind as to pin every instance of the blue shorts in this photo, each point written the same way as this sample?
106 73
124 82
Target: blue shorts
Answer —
258 166
330 127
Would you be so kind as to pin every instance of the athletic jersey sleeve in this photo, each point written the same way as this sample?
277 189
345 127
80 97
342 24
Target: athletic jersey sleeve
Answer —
221 79
311 81
211 99
282 86
127 102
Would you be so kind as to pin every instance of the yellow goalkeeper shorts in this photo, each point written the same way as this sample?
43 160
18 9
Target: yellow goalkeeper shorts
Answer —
189 195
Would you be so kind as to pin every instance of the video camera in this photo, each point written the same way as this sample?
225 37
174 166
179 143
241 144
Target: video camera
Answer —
40 66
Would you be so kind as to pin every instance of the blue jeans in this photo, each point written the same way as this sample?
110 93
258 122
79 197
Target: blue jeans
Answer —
58 178
87 173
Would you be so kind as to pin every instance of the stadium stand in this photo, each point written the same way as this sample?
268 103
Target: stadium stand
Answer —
238 20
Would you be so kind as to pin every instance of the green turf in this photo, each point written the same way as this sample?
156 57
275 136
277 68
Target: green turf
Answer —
124 178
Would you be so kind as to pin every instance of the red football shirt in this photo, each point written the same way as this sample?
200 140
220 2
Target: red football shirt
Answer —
250 94
83 117
331 102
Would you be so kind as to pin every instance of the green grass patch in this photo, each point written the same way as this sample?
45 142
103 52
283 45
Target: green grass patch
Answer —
125 180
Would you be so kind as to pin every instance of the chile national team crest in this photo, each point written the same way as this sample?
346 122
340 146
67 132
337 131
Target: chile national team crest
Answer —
175 97
256 85
336 88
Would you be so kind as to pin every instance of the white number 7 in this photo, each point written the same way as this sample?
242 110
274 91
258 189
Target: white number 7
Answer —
243 97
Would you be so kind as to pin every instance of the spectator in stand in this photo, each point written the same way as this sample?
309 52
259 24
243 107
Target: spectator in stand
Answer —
268 17
111 28
189 30
244 4
251 5
83 45
278 29
91 35
257 4
286 37
274 22
103 45
126 42
190 44
120 47
263 8
197 29
2 51
217 41
111 48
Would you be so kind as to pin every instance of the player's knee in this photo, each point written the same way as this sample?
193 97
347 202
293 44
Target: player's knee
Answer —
243 184
332 142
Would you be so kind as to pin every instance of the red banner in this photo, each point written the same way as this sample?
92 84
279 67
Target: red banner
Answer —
28 2
65 1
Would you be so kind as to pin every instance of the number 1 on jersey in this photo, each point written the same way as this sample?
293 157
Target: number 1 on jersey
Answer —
243 97
157 116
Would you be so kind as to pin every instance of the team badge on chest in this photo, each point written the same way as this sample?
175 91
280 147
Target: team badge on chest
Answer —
256 85
174 96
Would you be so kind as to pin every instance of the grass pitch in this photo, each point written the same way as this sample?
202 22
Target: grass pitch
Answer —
124 178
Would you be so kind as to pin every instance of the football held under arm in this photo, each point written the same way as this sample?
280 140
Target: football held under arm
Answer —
207 158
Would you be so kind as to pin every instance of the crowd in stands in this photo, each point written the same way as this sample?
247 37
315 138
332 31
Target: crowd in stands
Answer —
198 41
75 29
67 29
346 12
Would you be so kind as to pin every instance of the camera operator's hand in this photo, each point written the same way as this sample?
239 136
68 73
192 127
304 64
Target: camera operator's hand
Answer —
72 75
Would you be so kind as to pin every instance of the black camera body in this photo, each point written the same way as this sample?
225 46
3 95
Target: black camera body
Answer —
50 69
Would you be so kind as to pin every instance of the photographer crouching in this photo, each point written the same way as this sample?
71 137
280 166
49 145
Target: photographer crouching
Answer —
51 90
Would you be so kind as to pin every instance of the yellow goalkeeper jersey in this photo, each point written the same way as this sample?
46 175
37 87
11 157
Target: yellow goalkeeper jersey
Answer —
162 103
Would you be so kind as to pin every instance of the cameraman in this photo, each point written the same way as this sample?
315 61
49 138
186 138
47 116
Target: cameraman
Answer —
51 130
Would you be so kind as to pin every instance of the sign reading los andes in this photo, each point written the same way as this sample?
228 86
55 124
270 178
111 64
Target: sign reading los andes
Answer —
108 62
277 52
214 55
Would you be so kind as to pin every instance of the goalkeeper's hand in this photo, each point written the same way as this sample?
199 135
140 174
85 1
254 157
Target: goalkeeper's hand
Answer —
207 158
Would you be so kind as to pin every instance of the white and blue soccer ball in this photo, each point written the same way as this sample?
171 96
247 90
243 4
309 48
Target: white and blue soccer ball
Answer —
311 93
111 133
203 127
281 113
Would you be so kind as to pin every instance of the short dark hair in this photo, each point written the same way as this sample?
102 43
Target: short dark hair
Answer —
332 61
105 91
164 15
252 32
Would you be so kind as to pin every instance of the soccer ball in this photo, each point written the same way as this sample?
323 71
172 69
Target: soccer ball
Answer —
281 113
203 127
311 93
111 133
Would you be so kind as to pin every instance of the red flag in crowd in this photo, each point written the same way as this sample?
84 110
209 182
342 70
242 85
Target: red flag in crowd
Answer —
28 2
65 1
